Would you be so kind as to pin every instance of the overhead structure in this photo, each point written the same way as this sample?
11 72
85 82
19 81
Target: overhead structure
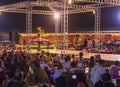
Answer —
49 7
77 6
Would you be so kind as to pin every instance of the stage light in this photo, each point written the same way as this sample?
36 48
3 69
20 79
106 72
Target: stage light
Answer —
57 15
69 1
93 11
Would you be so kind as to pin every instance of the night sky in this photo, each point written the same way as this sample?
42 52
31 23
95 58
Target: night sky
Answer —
110 20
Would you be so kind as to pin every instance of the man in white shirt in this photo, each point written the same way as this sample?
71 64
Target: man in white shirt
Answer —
97 72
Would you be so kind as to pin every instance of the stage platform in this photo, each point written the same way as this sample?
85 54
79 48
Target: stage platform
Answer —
107 56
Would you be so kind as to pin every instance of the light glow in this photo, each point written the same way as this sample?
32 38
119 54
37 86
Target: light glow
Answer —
69 1
93 12
119 16
57 15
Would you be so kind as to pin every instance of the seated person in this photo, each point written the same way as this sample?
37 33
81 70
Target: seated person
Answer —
106 81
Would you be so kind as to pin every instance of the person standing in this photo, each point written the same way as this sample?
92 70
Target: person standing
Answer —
73 59
92 62
97 71
67 63
114 70
80 60
3 75
85 43
40 76
58 71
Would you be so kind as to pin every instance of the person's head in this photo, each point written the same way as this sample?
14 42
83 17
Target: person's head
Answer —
67 58
92 58
38 54
99 84
81 77
73 64
42 52
98 57
18 76
106 77
81 54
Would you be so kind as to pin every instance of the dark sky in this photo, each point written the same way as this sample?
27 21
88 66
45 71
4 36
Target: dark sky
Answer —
110 20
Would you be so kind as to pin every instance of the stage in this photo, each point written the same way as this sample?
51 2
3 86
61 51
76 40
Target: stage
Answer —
107 56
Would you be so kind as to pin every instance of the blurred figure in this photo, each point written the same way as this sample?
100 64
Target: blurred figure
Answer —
97 71
45 85
43 56
58 71
106 81
92 61
73 67
72 83
85 43
3 75
43 64
80 60
61 82
67 63
40 75
73 59
81 80
17 81
114 70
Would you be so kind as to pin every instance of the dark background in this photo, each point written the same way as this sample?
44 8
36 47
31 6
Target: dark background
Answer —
16 22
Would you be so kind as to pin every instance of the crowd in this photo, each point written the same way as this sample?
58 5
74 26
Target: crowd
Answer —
21 69
92 45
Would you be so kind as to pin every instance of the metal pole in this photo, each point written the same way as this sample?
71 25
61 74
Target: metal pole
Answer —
97 27
65 26
28 25
56 32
